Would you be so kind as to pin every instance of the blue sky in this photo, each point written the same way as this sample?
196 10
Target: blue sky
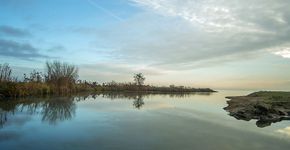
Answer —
202 43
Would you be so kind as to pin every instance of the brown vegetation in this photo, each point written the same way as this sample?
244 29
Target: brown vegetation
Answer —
62 79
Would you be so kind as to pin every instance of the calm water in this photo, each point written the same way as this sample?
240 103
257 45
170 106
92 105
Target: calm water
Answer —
134 121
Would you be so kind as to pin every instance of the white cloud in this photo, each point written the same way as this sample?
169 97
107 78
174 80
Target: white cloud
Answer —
217 15
285 53
187 32
190 36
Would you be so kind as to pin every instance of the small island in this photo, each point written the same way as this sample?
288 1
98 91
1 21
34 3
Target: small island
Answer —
265 106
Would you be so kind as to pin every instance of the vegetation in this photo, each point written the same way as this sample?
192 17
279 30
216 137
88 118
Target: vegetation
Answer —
62 79
139 79
61 76
271 95
5 73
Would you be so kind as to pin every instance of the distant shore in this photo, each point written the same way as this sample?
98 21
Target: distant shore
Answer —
61 78
36 91
265 106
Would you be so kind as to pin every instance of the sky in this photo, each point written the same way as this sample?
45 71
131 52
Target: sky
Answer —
221 44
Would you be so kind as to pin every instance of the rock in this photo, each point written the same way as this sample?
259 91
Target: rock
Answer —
255 107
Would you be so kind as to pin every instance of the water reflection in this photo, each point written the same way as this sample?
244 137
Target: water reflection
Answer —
138 97
53 110
284 131
265 123
138 101
134 95
261 121
58 109
3 118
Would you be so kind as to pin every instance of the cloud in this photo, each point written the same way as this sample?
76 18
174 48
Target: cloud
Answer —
173 34
234 14
57 48
13 32
108 12
119 72
284 53
19 50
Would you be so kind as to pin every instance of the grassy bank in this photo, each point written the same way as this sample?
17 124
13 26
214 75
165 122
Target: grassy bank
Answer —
272 95
62 79
24 89
266 96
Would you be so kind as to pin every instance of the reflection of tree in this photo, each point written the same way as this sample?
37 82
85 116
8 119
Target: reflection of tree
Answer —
6 108
139 96
187 94
132 95
3 117
53 110
138 101
58 109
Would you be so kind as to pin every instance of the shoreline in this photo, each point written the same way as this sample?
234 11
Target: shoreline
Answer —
265 106
201 91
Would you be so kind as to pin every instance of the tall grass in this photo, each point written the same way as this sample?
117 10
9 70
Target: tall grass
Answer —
59 78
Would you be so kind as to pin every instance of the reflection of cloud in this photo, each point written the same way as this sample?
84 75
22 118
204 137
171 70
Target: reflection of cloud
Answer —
158 106
285 131
8 135
13 118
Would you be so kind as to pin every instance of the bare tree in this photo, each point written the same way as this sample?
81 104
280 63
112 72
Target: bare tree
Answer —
139 79
5 73
34 76
62 75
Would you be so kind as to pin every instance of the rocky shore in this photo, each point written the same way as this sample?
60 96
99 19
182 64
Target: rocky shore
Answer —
265 107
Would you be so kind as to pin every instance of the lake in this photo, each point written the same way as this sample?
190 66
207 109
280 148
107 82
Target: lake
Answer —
134 121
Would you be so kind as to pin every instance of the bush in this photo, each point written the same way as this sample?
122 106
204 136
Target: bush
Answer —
61 76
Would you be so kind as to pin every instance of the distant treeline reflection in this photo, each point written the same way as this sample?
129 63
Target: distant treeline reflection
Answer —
53 110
